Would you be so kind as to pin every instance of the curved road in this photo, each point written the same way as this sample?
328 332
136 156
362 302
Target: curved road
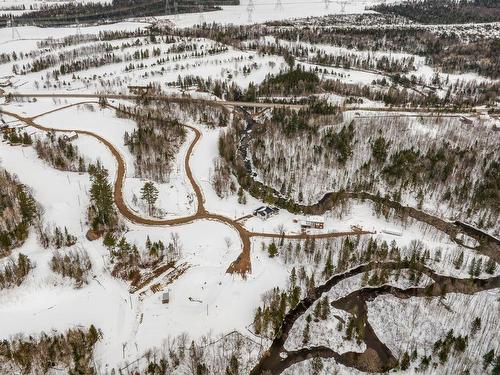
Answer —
242 265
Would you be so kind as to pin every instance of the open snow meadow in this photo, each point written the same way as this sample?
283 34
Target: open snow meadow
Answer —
248 187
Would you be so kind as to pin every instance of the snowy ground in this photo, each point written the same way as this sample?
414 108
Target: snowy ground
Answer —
267 10
405 325
126 318
133 323
205 298
240 67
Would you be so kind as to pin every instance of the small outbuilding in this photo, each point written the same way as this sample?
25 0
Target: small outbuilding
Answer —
165 297
316 222
70 136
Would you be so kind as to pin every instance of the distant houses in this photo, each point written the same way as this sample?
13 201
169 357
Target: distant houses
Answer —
5 81
265 212
70 136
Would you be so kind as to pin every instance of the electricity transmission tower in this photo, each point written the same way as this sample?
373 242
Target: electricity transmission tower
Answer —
342 6
15 32
279 5
250 9
78 29
201 17
176 10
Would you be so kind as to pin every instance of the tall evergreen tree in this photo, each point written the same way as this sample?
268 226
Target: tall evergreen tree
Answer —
27 205
149 193
101 196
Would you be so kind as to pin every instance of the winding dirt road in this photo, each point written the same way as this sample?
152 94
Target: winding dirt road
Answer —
242 265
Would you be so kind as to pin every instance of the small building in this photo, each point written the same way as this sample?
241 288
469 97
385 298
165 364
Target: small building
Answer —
165 297
70 136
5 82
315 222
265 212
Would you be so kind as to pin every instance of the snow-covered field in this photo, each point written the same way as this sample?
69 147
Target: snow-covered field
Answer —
268 10
204 298
45 301
416 323
165 63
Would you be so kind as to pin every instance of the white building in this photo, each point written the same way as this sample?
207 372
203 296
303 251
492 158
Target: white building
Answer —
316 222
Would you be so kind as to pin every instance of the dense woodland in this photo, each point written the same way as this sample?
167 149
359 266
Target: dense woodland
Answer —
445 11
133 264
55 237
229 354
18 210
160 133
421 168
74 264
13 272
298 83
18 137
154 145
72 351
455 49
313 262
70 13
102 214
60 153
450 53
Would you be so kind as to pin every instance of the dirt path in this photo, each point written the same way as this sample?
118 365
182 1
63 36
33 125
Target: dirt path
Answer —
263 105
163 98
242 265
